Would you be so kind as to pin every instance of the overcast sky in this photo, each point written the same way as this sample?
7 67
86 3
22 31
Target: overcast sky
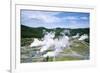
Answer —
50 19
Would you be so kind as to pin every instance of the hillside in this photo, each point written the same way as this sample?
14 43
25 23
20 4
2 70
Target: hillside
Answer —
72 48
30 32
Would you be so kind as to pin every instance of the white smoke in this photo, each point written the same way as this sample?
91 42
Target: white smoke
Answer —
49 42
83 37
76 36
65 32
52 46
61 43
36 43
50 54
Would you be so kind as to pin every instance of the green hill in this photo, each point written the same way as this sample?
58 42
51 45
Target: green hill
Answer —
30 32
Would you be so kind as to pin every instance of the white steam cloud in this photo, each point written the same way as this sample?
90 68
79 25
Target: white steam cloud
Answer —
52 46
49 42
83 37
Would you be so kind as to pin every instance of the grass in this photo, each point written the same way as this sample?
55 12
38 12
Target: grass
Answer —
80 47
26 41
67 58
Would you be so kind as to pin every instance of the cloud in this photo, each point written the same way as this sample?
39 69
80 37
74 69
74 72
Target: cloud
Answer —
71 18
52 19
46 17
84 18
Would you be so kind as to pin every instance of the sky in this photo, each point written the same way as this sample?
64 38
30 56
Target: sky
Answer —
54 19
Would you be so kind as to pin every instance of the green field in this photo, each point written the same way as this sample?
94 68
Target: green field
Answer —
78 50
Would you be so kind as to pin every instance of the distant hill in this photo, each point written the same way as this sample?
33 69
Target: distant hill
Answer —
28 33
31 32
